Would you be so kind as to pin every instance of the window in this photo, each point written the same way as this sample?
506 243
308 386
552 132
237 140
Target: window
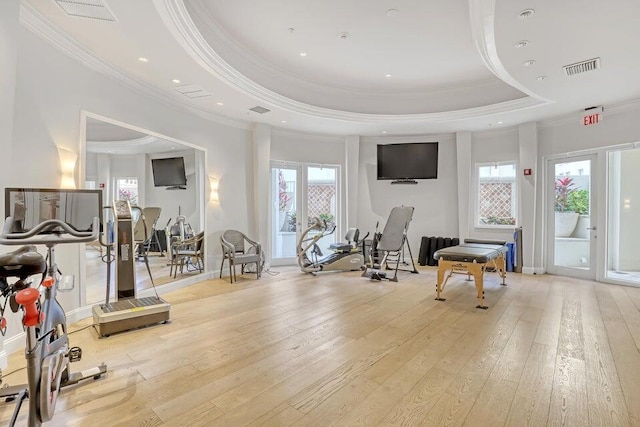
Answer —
497 194
127 189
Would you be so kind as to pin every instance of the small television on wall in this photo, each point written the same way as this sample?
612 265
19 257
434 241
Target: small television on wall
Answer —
404 163
170 173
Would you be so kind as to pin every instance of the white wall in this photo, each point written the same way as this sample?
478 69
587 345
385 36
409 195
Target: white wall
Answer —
48 102
435 200
486 147
9 11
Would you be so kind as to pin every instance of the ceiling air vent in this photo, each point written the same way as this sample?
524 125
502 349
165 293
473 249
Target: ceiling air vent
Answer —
92 9
192 91
259 109
582 67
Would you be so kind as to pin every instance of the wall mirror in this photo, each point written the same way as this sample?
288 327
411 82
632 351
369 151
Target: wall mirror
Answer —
162 176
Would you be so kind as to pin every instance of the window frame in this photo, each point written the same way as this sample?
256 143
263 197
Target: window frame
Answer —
515 196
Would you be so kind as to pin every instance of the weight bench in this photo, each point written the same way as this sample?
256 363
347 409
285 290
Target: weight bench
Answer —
471 258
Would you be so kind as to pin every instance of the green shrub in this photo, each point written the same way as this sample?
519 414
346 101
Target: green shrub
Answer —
578 201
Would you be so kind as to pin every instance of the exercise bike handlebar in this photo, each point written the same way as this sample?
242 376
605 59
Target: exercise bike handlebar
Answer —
49 232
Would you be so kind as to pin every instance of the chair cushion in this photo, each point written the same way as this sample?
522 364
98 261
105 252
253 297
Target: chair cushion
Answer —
245 258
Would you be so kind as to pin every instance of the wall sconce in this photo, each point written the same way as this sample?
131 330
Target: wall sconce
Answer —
213 189
68 160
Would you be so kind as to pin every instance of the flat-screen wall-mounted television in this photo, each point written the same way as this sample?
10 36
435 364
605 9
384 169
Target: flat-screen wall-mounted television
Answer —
169 172
408 162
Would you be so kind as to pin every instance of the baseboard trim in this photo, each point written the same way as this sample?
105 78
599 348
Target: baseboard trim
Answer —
533 270
13 344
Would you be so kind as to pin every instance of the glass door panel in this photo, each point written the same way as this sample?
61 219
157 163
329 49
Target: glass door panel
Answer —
623 233
321 201
572 230
285 213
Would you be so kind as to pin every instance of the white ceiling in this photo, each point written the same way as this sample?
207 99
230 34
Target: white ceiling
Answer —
453 63
107 138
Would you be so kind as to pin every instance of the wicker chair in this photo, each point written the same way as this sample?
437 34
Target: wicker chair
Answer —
189 252
240 250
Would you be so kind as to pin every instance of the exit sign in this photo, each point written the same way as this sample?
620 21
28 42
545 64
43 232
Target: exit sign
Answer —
592 116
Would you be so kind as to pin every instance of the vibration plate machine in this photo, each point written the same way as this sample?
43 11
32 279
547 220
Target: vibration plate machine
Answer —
127 312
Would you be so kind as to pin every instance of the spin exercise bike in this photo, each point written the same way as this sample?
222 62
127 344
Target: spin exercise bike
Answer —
345 256
47 349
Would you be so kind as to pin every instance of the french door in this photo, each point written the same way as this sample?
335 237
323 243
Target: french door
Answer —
571 215
623 217
300 192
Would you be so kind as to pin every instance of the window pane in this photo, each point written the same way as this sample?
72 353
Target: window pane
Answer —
321 199
284 213
127 189
497 195
623 234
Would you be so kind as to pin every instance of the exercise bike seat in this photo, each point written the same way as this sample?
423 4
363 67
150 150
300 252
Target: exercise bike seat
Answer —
22 262
352 240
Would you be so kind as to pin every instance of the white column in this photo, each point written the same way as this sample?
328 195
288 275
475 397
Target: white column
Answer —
352 163
261 139
527 202
464 167
9 16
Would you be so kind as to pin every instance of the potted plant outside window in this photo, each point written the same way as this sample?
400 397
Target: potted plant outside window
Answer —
565 218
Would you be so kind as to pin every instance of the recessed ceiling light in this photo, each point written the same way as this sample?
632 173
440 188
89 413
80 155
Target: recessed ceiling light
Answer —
175 81
521 43
527 13
392 12
528 63
388 75
500 123
291 30
343 36
142 59
303 53
541 78
384 131
220 103
283 121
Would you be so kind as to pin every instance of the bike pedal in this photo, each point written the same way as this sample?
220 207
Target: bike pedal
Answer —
75 354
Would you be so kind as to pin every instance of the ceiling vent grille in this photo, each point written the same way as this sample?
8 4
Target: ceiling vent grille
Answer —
92 9
193 91
259 109
582 67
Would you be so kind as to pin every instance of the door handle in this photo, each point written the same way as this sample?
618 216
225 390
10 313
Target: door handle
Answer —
591 228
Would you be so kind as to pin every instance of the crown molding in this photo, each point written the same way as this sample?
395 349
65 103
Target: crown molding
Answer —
482 18
124 143
39 25
179 23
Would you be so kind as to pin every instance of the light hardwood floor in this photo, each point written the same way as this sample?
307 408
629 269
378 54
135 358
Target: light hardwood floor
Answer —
338 349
